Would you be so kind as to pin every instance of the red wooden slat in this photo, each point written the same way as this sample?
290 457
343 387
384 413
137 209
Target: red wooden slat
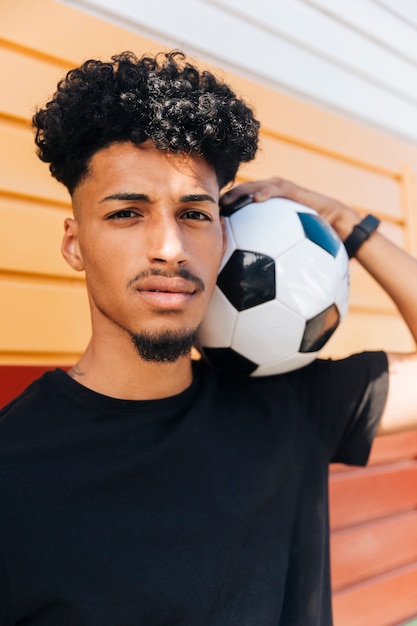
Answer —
15 378
371 549
392 448
387 449
388 600
363 495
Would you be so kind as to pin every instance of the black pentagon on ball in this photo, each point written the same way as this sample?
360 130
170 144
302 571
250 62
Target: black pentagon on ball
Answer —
317 230
319 329
248 279
229 360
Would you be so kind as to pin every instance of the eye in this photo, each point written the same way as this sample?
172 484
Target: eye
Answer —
194 214
124 214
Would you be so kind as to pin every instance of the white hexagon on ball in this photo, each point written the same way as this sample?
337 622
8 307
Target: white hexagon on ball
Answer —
281 229
278 342
306 279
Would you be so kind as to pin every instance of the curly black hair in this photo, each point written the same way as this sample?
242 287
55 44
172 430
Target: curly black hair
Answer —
163 98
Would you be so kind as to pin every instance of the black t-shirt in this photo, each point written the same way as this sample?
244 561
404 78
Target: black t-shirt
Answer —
207 508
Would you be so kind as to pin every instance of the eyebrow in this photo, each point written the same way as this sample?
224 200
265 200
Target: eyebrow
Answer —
142 197
199 197
126 196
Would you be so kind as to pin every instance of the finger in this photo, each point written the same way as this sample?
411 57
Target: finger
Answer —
259 190
240 190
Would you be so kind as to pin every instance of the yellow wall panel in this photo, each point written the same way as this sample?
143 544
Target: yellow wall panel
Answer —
30 238
364 331
295 120
33 81
21 171
366 293
53 29
360 187
41 317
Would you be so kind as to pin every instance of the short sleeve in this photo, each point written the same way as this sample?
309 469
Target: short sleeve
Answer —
347 398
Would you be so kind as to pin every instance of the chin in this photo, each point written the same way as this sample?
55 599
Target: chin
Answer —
165 346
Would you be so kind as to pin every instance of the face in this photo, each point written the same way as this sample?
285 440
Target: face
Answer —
148 234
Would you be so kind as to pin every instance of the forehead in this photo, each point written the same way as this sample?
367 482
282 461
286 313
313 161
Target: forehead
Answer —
126 167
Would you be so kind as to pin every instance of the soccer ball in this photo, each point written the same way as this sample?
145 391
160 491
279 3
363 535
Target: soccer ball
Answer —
281 292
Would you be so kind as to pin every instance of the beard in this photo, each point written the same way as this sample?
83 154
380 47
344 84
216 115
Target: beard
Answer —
165 347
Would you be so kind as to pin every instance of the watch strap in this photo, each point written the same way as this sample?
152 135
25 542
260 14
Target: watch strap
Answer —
360 233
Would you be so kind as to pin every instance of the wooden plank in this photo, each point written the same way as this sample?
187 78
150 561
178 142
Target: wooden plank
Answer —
388 600
363 495
14 379
365 291
43 317
363 330
30 236
394 447
312 127
38 359
371 549
20 169
36 84
367 190
83 36
387 449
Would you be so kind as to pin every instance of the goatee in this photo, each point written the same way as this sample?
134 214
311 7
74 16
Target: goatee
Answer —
165 347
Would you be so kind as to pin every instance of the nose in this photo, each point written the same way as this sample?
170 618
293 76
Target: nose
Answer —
166 243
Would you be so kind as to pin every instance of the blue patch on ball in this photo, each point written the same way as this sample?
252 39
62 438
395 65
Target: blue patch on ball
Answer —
319 231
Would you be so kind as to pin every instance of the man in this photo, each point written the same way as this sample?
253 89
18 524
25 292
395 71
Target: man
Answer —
145 488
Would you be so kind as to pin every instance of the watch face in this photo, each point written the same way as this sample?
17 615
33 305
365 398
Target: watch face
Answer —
369 224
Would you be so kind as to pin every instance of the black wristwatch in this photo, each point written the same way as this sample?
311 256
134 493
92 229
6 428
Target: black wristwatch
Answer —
360 233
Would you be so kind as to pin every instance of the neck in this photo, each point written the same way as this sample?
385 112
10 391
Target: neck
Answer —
126 376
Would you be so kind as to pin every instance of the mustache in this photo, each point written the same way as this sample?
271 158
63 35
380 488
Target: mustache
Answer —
181 273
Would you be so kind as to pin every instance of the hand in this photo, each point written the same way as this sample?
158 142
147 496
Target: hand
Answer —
339 215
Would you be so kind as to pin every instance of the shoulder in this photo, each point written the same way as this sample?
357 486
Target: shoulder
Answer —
34 400
357 368
316 393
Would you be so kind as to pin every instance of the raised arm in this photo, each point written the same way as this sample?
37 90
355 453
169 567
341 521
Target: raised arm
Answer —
393 268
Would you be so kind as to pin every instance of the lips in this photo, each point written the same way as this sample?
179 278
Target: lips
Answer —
166 294
166 285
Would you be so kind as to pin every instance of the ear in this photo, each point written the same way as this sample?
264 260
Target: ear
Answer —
70 247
